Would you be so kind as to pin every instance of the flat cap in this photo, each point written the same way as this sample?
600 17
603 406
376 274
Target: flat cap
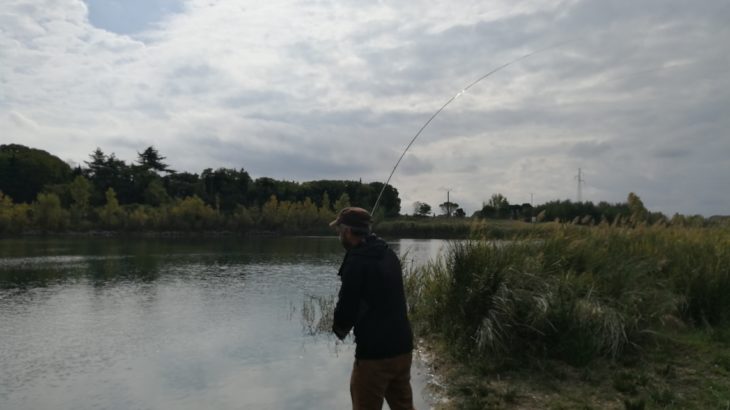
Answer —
354 217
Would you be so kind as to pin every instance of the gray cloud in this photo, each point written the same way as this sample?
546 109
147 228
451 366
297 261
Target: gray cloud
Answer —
589 149
417 166
672 152
301 90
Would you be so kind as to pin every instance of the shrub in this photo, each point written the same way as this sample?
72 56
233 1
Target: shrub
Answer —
193 213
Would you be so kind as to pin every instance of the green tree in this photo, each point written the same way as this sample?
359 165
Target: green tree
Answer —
696 221
107 171
389 202
139 219
80 190
111 214
159 218
183 184
155 194
242 219
285 214
6 214
326 215
193 213
448 207
97 161
421 209
226 188
638 213
24 172
48 215
271 217
151 160
308 215
342 202
500 205
326 203
678 220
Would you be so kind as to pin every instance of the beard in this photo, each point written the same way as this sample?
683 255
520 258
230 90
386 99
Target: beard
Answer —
345 243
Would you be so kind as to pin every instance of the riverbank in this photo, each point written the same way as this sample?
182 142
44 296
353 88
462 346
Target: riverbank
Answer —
460 228
396 228
582 318
686 371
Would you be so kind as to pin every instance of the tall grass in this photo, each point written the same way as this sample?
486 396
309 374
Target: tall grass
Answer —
317 314
456 228
576 294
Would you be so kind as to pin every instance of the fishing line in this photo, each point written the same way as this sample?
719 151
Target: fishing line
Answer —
477 81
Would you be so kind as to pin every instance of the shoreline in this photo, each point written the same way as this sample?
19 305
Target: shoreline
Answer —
204 234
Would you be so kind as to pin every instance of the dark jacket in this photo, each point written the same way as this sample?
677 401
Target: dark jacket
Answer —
372 299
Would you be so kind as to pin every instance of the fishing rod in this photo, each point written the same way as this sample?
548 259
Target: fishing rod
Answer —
457 95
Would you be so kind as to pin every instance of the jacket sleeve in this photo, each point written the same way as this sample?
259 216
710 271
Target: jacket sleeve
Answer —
348 300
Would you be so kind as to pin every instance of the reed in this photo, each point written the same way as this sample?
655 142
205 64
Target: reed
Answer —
458 228
574 294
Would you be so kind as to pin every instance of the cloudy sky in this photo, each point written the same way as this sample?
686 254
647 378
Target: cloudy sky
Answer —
636 93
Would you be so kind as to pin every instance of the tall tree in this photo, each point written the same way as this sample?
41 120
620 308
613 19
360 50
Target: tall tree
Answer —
638 211
448 207
421 208
499 203
80 192
48 214
183 184
326 215
151 160
155 193
226 188
111 214
342 202
96 163
107 171
390 201
24 172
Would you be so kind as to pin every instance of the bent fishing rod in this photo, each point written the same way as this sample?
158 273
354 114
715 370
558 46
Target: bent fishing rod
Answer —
457 95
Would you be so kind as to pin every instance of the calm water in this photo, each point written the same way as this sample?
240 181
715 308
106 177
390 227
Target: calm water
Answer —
174 324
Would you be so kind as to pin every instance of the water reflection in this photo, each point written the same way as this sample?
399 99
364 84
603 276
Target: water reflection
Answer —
163 323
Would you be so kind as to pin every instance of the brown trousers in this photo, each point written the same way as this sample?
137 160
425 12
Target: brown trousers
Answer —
375 380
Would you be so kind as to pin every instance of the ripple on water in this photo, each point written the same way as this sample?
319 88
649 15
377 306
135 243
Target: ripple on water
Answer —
192 329
40 261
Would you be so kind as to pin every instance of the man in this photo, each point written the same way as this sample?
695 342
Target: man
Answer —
372 300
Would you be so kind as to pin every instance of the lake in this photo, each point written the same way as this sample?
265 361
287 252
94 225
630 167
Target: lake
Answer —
193 323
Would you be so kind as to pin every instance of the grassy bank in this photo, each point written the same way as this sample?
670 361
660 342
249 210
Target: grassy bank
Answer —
581 317
458 228
402 227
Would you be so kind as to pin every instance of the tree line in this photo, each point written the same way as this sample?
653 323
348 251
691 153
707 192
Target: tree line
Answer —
631 212
40 191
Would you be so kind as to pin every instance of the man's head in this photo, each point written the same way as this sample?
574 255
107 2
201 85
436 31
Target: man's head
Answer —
353 224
